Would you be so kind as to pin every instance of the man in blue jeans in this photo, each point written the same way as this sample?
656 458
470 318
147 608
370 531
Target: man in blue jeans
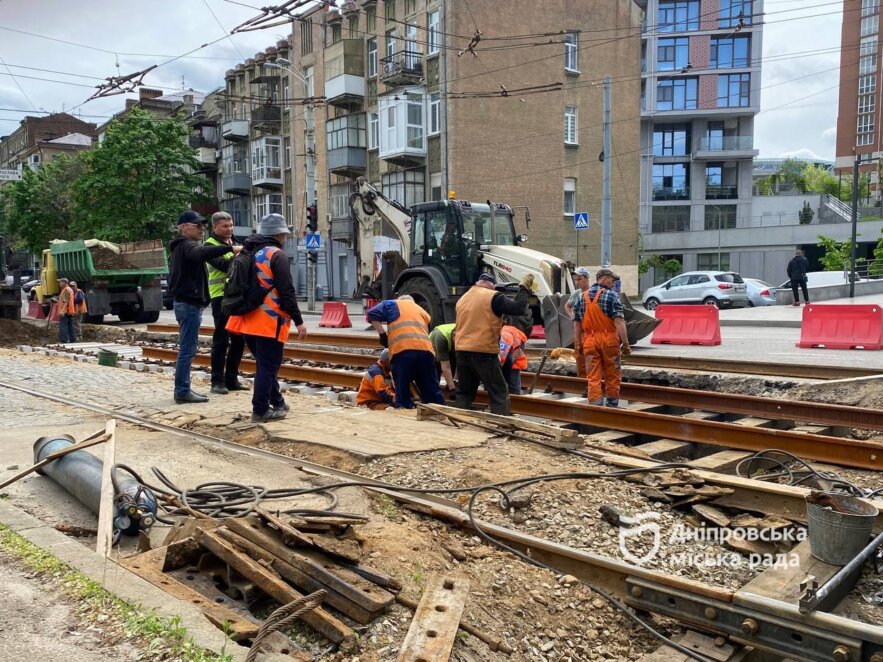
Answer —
188 284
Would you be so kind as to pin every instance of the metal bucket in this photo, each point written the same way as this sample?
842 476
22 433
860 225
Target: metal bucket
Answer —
838 532
108 358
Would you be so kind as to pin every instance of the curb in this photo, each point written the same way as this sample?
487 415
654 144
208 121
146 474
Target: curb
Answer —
120 582
778 324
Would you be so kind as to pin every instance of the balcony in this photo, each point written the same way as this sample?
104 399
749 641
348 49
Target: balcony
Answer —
715 148
196 141
266 163
345 143
267 176
715 192
235 130
671 193
345 73
237 183
402 68
207 157
267 117
342 229
402 127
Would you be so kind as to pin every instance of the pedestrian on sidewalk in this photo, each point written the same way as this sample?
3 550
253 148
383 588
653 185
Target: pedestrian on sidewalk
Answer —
410 350
376 390
227 348
797 268
80 309
267 327
599 324
479 322
188 284
66 310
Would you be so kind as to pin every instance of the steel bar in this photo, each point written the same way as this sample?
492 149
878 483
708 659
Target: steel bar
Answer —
833 450
836 588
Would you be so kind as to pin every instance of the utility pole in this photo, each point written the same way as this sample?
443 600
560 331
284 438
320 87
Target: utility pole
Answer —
606 211
852 257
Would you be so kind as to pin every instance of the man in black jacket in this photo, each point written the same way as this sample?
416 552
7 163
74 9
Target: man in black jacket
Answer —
188 284
797 268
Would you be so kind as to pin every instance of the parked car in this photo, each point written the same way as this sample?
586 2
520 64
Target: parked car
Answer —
27 286
760 293
168 301
724 289
820 279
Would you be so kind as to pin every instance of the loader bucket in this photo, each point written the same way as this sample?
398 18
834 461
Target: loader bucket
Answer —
559 327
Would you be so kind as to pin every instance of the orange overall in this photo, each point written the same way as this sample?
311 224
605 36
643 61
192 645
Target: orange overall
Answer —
601 349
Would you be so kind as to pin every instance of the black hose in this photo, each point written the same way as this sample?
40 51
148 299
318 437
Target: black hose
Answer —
772 464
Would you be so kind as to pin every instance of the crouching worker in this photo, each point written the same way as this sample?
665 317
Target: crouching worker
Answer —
512 357
376 390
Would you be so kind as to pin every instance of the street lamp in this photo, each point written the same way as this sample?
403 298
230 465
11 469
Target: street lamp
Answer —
859 160
285 65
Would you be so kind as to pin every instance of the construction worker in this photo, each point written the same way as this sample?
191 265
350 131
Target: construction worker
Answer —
581 281
266 328
376 390
512 357
80 309
227 348
442 339
599 323
410 351
479 322
66 309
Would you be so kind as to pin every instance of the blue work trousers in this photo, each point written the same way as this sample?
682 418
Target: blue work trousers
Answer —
417 367
267 353
66 329
189 318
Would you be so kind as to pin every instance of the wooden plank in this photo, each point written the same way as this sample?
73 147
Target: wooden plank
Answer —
612 436
783 583
665 449
433 629
274 586
752 422
712 514
92 440
721 461
105 510
555 432
702 415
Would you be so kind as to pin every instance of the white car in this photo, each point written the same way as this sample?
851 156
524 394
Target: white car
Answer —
760 293
723 289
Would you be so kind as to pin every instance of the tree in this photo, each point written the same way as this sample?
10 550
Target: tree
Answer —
41 206
837 253
876 267
139 179
805 215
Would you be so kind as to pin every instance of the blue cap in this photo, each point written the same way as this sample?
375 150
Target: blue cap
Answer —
190 216
489 278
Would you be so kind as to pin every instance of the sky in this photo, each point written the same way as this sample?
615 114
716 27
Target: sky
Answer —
139 34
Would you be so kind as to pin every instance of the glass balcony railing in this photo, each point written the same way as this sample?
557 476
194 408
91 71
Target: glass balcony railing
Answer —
714 192
725 143
671 192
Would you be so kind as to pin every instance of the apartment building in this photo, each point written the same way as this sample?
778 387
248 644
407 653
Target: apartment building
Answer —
410 107
700 91
37 137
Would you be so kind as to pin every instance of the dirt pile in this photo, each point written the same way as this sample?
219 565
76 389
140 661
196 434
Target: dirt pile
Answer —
14 333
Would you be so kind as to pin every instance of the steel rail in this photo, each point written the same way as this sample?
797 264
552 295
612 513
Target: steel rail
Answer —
613 574
634 361
833 450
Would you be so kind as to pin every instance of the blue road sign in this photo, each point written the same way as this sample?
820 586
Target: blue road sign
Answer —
581 220
314 241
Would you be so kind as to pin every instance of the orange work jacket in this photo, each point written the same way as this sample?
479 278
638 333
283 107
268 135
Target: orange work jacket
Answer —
410 330
267 320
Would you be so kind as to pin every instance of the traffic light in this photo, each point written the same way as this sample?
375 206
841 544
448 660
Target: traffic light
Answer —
312 218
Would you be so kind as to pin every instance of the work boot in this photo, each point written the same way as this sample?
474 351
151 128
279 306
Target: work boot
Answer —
283 407
270 415
614 403
219 389
237 386
190 396
597 403
796 303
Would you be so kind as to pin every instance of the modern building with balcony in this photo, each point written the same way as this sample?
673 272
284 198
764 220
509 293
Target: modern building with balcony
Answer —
700 91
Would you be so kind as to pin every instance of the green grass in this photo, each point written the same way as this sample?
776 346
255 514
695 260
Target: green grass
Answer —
387 506
158 637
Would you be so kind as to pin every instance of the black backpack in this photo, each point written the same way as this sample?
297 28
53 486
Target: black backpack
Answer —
243 291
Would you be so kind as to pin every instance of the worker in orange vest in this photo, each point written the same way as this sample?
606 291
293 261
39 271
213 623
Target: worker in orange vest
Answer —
266 328
512 357
66 310
80 309
376 390
599 323
410 350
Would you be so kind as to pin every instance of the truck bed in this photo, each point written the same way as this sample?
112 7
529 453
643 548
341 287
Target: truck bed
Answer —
142 261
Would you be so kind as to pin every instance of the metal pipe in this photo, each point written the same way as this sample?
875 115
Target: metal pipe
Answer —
841 583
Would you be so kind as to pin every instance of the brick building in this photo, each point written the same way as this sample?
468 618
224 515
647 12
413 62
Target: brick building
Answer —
21 145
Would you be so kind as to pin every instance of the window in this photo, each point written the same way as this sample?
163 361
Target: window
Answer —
309 88
671 140
725 214
571 52
867 84
353 25
267 204
306 38
412 55
733 90
286 92
402 128
370 19
570 126
338 200
289 208
433 34
678 16
405 186
410 7
865 124
671 181
868 45
870 7
235 159
434 113
870 25
864 139
730 52
373 131
867 64
673 54
238 208
734 13
372 58
390 42
671 219
266 158
569 196
677 94
435 186
714 174
287 153
713 262
346 131
390 10
335 33
866 103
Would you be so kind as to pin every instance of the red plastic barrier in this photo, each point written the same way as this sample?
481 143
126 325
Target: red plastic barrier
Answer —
369 304
842 327
35 311
538 331
335 316
687 325
53 312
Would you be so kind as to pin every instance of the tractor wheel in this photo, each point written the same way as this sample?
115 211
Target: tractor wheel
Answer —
427 297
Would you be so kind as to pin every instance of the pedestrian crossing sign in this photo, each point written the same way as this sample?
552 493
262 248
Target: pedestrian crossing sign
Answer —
314 241
581 220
